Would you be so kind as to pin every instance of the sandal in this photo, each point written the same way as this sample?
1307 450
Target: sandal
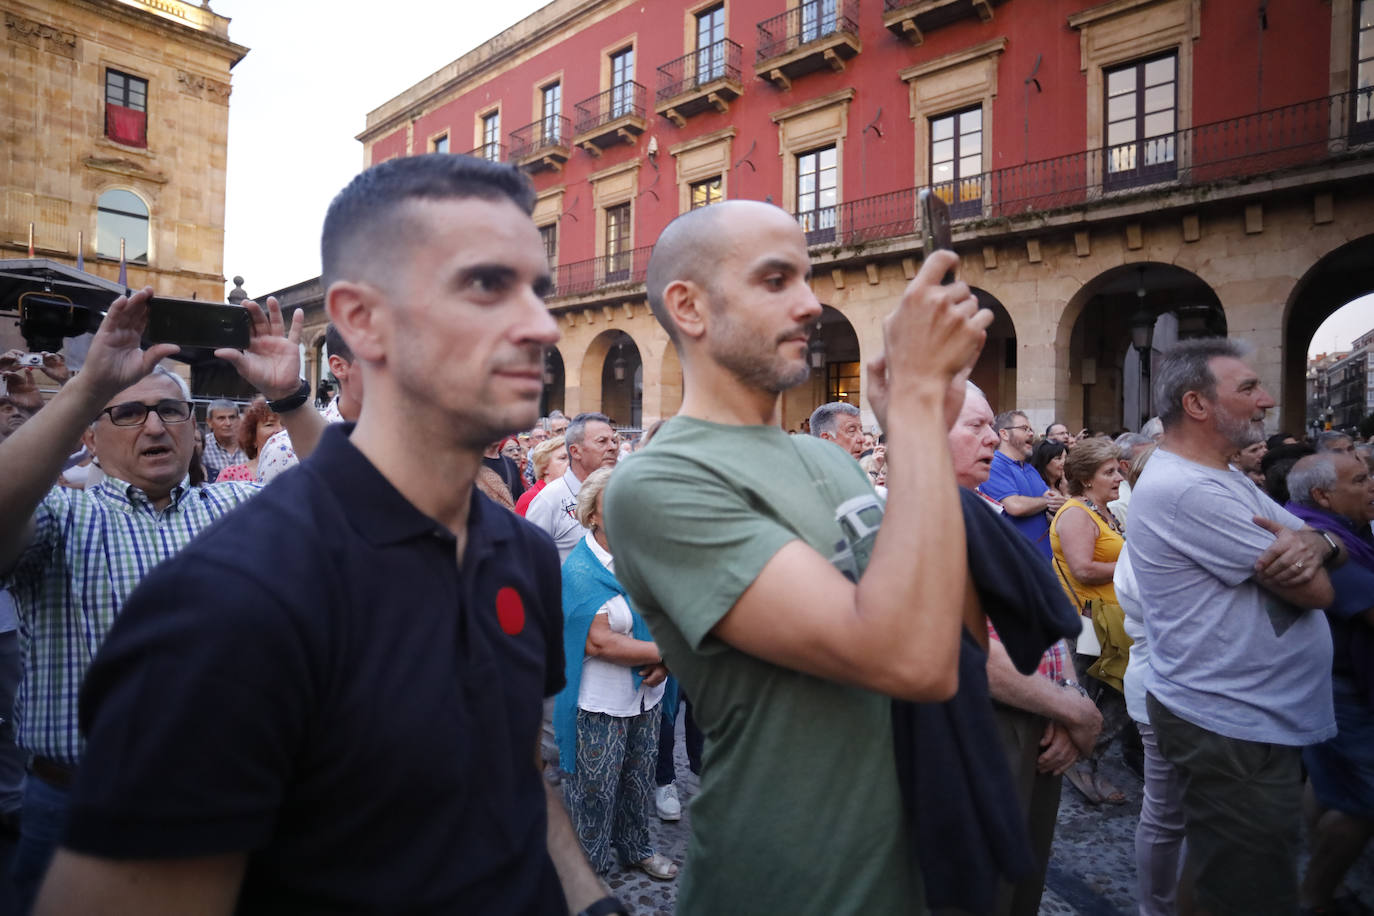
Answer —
1082 778
657 866
1107 792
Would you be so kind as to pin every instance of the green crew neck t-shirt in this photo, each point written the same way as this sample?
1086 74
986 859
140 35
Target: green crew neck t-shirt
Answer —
799 810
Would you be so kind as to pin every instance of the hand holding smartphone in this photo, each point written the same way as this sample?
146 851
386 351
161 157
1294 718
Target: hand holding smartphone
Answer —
192 323
935 226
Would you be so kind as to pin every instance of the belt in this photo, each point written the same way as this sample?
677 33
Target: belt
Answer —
55 773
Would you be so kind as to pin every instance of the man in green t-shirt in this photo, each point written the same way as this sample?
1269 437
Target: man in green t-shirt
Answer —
757 559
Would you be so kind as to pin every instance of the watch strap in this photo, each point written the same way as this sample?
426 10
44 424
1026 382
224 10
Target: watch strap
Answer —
605 906
1335 550
291 401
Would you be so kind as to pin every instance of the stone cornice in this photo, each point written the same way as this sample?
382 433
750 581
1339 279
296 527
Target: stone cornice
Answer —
143 14
554 21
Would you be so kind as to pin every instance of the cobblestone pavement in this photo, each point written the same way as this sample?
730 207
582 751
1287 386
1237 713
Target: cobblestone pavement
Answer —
1092 867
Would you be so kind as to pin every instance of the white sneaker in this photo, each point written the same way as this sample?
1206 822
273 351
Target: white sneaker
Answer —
667 803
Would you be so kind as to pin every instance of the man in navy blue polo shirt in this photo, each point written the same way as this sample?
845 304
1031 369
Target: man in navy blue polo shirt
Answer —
348 720
1017 485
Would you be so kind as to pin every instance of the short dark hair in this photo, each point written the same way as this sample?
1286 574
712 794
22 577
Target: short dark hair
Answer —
336 345
1006 418
1186 367
366 210
1046 450
1276 464
577 427
1053 425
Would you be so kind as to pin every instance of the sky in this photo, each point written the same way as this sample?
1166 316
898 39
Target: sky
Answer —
314 70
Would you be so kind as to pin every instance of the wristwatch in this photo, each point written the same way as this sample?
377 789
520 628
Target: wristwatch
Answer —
1335 550
1065 682
604 906
291 401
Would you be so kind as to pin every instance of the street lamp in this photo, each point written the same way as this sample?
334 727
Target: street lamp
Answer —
815 350
618 366
1142 338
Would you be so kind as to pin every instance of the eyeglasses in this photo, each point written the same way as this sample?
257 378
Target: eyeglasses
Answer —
135 413
1024 429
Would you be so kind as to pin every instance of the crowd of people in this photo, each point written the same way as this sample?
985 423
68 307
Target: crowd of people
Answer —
298 660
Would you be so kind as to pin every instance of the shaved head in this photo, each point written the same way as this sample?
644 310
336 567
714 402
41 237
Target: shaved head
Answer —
691 248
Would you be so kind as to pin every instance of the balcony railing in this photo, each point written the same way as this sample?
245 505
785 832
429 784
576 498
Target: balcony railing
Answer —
548 133
581 277
495 152
629 99
801 25
1306 133
717 61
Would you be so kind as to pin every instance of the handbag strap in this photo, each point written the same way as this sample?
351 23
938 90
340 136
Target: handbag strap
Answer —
1082 605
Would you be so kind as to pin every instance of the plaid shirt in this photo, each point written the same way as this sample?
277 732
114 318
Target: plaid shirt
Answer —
216 457
1056 664
89 549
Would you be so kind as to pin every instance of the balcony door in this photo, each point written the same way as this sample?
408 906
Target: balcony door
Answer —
1142 123
622 83
710 54
817 19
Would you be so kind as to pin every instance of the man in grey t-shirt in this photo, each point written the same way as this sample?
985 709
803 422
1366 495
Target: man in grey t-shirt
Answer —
1239 676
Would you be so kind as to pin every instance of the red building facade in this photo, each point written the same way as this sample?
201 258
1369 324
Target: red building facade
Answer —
1194 166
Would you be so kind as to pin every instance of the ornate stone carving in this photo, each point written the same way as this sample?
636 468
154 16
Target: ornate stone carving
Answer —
40 36
197 86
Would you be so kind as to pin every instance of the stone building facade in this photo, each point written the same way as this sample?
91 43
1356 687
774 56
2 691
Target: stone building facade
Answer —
1130 168
114 125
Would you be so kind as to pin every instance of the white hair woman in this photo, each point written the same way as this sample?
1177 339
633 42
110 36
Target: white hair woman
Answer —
606 719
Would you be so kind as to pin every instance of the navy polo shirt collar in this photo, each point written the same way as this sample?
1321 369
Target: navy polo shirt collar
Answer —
379 513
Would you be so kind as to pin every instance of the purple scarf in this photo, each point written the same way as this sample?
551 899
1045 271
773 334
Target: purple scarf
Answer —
1357 541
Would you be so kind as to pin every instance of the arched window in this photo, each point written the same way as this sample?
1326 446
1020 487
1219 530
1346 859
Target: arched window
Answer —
122 215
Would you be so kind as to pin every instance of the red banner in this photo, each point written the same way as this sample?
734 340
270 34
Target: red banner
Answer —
124 125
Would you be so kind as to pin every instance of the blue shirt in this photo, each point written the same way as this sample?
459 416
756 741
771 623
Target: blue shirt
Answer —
1019 478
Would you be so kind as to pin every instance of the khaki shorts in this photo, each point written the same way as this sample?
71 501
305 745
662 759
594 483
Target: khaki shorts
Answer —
1242 808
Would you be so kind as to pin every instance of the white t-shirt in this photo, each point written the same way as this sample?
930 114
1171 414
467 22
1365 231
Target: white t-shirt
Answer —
607 687
1225 654
555 511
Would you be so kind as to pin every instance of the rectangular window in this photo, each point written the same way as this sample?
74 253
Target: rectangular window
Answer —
842 382
711 44
819 18
126 108
550 108
956 161
818 194
622 76
549 236
1363 126
1141 115
441 144
705 193
618 243
491 136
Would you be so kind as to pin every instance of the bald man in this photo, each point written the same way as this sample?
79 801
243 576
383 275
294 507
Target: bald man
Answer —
755 595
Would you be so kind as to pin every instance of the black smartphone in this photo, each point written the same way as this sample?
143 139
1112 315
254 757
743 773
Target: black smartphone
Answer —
192 323
935 230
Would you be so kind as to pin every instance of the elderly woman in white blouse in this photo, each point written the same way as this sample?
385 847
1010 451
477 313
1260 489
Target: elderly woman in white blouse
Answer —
607 717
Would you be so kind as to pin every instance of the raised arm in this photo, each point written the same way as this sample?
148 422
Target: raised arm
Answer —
897 631
32 455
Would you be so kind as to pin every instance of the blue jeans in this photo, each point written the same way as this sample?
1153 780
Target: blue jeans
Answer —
40 831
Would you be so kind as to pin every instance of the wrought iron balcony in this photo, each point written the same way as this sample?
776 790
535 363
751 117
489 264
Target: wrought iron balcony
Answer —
620 269
495 152
545 144
812 36
706 78
911 19
1329 129
618 115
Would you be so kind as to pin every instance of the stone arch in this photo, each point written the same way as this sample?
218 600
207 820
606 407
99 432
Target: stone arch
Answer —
995 371
554 396
1104 375
1338 277
839 375
612 379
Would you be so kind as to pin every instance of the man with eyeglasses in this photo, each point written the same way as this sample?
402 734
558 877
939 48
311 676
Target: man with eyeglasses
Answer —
81 553
1017 485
